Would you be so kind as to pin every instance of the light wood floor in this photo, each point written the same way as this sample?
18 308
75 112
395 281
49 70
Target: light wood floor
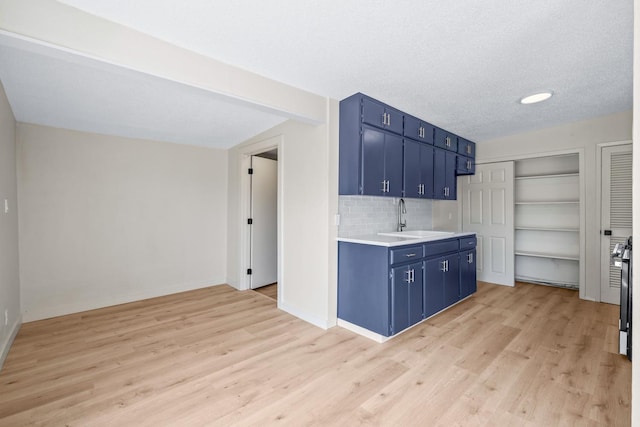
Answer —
524 356
270 291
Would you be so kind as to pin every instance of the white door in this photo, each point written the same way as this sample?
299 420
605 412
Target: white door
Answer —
615 215
264 227
487 209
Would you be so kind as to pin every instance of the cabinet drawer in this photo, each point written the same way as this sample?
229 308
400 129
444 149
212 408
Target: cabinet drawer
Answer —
409 253
467 243
440 247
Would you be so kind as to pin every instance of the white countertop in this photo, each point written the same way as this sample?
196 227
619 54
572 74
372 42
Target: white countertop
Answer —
378 240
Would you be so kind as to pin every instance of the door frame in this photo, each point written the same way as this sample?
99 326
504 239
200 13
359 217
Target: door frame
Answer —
583 194
599 148
276 142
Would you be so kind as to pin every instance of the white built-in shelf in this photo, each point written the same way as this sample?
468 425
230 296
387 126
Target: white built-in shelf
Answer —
572 230
557 202
548 255
559 175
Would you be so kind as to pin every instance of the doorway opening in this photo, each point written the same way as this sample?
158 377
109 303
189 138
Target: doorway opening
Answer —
263 221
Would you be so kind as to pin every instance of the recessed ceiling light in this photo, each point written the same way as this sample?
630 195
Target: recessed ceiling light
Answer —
536 97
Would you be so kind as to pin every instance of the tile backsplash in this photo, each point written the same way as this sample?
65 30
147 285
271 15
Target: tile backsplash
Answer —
369 215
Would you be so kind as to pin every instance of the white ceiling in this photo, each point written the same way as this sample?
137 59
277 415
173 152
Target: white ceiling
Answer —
461 65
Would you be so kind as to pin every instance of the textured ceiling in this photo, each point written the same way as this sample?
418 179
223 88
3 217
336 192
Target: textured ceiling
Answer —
460 65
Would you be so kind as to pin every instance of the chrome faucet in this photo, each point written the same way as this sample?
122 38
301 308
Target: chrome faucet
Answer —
402 209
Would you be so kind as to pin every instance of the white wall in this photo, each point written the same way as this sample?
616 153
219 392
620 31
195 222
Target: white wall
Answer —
308 199
583 137
106 220
9 266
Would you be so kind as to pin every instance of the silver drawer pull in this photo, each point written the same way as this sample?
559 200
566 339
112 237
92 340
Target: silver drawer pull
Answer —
410 255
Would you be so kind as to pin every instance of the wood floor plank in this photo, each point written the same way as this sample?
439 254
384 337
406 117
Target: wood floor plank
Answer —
527 356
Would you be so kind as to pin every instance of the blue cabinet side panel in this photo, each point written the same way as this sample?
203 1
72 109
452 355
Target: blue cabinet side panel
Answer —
349 146
363 286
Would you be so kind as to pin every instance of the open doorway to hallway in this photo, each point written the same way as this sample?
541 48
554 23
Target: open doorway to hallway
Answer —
263 222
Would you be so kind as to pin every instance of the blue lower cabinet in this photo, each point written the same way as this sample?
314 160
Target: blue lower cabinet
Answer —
406 296
468 275
388 289
441 283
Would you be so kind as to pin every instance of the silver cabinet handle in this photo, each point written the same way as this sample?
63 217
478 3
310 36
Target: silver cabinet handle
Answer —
443 266
410 255
411 276
469 149
468 164
470 258
447 141
388 186
388 119
384 186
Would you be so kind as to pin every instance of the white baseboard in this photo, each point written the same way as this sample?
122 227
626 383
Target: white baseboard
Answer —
314 320
6 345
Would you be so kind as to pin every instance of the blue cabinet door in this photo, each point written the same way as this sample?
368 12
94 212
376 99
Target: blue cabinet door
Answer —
466 147
416 297
393 164
444 175
468 279
450 176
380 115
445 140
412 181
451 280
400 298
381 163
418 170
465 165
373 152
418 130
406 296
433 286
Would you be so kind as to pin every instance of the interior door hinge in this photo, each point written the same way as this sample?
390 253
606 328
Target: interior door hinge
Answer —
249 271
250 171
250 221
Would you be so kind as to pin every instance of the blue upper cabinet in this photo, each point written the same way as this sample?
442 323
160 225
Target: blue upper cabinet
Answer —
384 152
418 130
381 163
377 114
418 170
444 175
466 147
445 140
